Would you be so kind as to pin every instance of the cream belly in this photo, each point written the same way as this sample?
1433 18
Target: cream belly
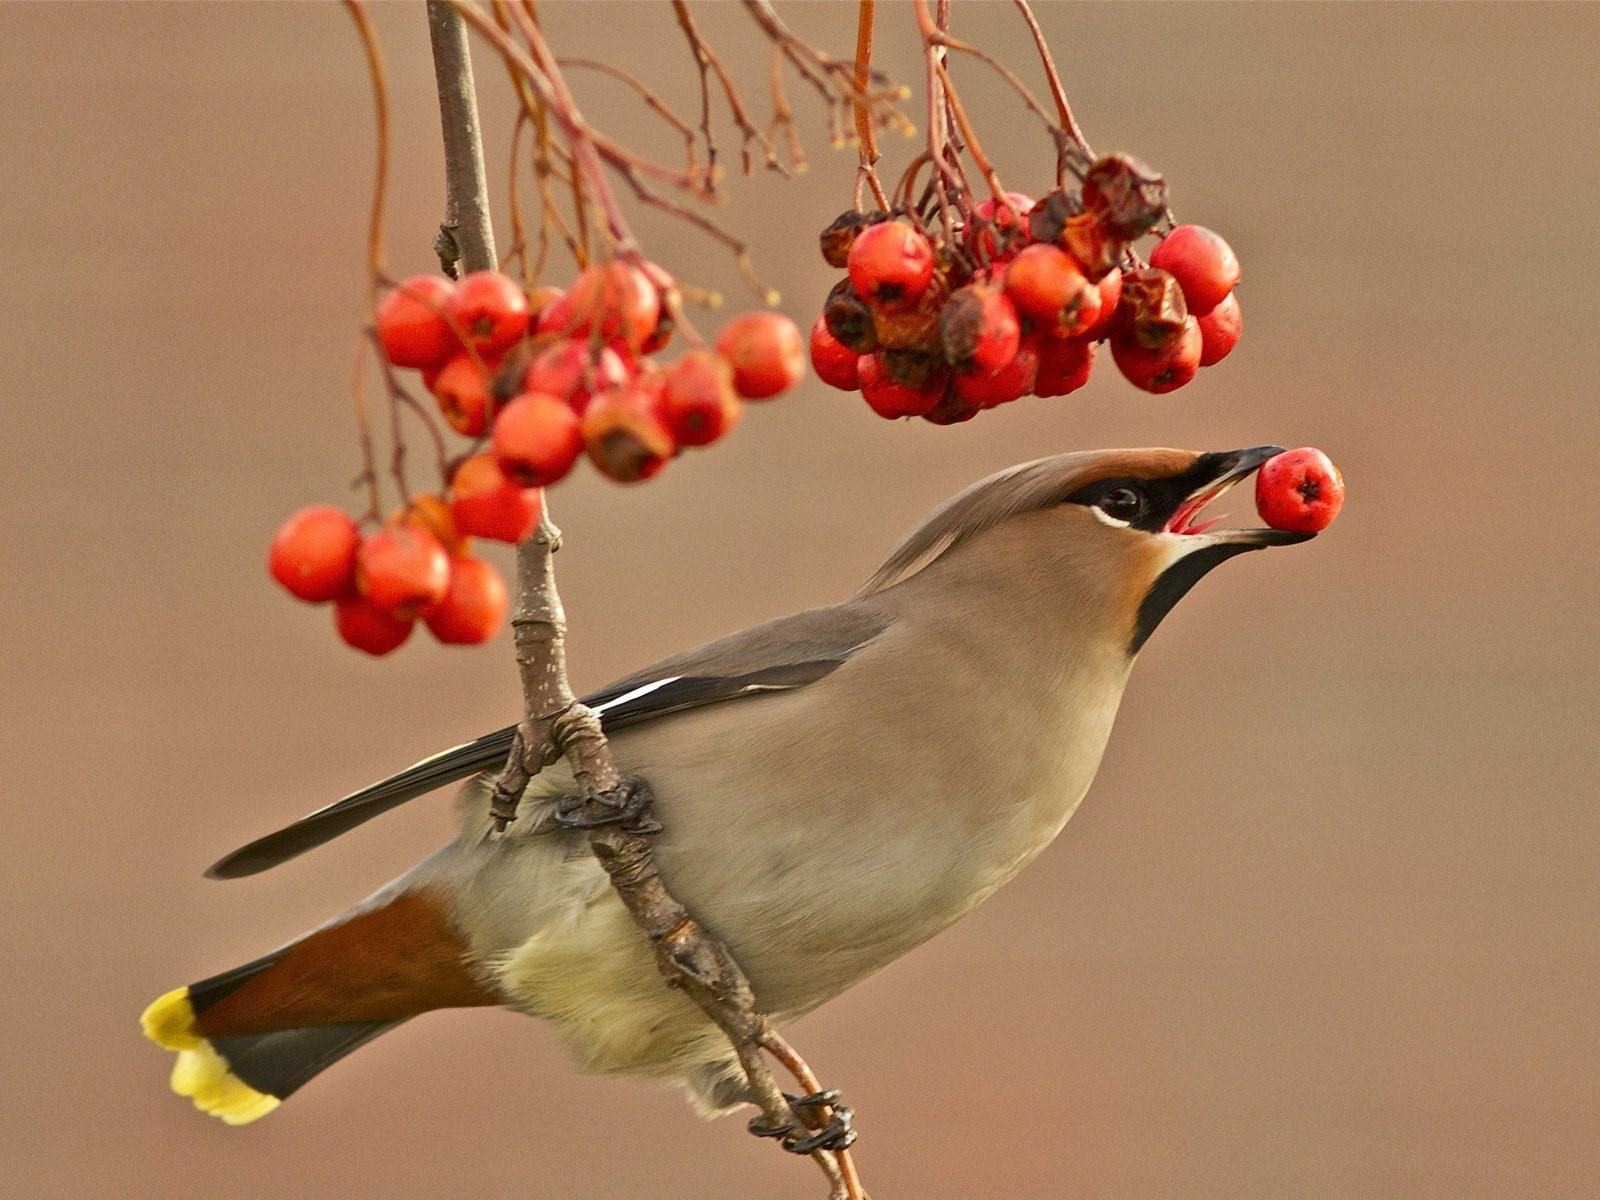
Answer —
814 882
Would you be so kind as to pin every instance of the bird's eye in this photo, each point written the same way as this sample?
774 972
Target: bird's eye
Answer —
1123 503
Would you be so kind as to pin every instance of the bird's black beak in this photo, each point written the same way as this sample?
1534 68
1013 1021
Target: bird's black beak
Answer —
1210 476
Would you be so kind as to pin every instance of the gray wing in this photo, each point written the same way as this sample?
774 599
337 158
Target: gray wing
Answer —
779 655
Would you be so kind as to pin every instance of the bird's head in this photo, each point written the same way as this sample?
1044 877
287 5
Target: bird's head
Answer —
1118 532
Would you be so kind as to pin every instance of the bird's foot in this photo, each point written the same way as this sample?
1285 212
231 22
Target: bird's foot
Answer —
630 804
836 1133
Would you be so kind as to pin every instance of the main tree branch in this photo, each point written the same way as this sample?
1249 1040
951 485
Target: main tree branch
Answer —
613 810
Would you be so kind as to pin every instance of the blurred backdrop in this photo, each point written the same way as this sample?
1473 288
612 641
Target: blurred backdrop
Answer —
1326 926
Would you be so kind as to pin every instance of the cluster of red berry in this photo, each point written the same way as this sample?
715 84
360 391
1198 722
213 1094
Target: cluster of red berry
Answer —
1016 297
542 378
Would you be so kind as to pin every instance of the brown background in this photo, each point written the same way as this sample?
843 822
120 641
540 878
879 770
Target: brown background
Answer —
1326 926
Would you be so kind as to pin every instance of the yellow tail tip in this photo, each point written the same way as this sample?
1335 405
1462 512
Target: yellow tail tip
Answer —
200 1072
169 1021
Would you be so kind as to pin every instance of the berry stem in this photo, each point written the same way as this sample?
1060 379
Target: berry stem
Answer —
375 268
1057 93
866 135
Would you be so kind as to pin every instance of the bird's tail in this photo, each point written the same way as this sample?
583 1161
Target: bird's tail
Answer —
248 1038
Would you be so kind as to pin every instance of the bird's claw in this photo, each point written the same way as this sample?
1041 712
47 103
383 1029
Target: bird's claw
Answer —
837 1134
629 805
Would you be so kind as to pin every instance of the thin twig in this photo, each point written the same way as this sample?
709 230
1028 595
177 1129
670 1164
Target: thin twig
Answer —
653 101
1057 92
380 179
866 135
705 57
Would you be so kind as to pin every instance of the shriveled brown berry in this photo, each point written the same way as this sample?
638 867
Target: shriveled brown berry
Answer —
1152 309
840 235
914 368
951 410
1127 193
1096 249
1047 220
849 319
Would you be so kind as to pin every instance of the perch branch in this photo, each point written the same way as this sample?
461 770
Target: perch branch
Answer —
612 809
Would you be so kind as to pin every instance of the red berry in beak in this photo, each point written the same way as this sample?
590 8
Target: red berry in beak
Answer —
411 324
313 554
492 310
402 569
891 263
1219 331
1299 490
536 439
765 351
474 607
367 627
484 503
1203 264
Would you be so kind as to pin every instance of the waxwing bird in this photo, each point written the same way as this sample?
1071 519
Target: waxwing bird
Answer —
836 787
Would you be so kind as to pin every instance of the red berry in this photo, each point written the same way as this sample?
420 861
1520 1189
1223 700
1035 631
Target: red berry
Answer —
402 569
431 512
1219 331
555 317
1064 366
889 398
891 262
1299 490
1203 264
1161 370
765 351
998 231
1048 287
669 301
626 436
536 439
486 504
411 324
1010 382
474 607
1110 287
697 399
834 362
313 554
979 330
463 389
491 309
367 627
618 300
567 370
